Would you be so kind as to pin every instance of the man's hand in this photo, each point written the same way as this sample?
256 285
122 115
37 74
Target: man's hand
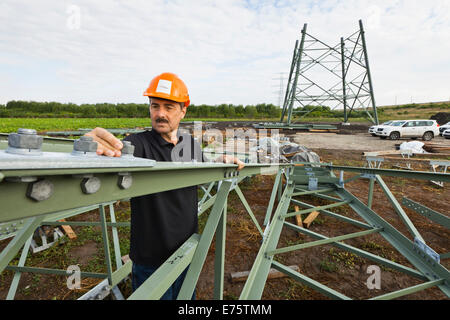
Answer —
107 144
230 159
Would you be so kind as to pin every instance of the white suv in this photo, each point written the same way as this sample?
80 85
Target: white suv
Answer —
373 129
446 134
380 128
425 129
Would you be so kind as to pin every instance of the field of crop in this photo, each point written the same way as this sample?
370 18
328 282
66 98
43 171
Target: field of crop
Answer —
8 125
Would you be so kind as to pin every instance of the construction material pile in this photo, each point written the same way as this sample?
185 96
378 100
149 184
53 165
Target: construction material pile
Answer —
270 150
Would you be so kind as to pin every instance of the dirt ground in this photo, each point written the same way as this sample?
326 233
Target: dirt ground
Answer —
338 269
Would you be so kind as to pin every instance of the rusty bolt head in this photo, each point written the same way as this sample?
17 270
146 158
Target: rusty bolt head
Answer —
25 139
85 144
90 185
40 190
128 148
125 181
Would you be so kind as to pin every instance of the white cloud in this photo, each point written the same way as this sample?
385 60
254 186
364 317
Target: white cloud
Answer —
226 51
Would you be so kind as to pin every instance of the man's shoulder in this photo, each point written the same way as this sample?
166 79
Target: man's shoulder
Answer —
140 137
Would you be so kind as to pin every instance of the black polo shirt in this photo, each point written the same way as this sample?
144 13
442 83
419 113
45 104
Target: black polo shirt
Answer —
163 221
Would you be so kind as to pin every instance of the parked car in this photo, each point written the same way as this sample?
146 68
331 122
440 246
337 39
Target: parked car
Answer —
381 128
446 134
443 128
425 129
373 129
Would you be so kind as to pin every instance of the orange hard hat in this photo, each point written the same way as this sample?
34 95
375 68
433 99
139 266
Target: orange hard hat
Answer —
168 86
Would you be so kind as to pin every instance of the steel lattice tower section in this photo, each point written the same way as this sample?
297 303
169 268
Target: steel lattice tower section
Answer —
337 75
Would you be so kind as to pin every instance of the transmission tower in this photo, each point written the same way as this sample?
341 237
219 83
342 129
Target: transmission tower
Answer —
337 75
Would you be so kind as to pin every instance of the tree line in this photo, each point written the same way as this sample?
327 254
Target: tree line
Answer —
31 109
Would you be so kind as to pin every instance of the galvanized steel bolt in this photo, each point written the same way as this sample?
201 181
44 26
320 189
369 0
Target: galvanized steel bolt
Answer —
128 148
125 180
90 185
40 190
25 139
85 144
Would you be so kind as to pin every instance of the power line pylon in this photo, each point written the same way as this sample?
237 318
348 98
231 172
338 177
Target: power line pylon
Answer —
321 73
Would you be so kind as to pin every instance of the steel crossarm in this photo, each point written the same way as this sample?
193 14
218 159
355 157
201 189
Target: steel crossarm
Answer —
67 193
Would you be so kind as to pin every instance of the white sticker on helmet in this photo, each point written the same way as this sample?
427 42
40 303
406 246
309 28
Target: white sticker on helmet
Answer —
164 86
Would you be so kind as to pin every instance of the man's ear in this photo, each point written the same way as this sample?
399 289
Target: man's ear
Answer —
183 111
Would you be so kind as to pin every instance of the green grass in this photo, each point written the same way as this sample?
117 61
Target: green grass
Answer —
8 125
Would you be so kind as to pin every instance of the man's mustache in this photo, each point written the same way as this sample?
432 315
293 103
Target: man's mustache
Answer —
161 120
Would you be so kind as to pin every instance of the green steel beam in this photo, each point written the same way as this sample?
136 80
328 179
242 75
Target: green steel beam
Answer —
328 206
257 277
273 195
323 241
421 175
334 215
419 259
18 274
115 236
189 283
410 290
397 207
361 253
310 192
162 177
157 284
309 282
106 243
427 212
219 255
13 247
58 272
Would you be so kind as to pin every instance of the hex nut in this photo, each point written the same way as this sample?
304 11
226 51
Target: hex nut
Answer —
90 185
125 181
85 144
128 148
25 139
40 190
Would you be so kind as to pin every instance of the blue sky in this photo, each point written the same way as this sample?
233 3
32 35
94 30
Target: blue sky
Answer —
226 51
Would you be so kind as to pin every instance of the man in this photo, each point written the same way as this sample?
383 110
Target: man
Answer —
160 222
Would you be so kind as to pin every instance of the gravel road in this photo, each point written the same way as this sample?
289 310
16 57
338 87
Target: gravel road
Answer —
357 141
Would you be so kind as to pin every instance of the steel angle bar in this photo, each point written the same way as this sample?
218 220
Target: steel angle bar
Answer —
323 241
334 215
427 212
18 274
257 277
319 195
163 177
421 175
207 194
410 290
208 204
418 258
106 243
272 197
309 282
86 223
401 213
219 255
13 247
249 210
328 206
158 283
59 272
189 283
310 192
359 252
115 236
